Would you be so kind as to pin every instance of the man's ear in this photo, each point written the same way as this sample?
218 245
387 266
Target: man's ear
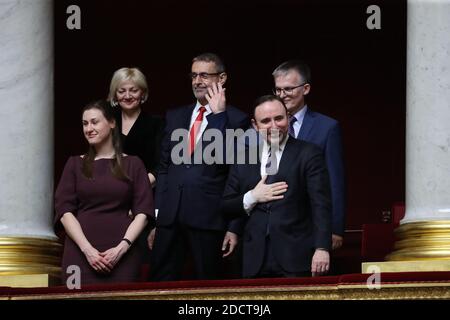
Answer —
254 125
223 78
306 89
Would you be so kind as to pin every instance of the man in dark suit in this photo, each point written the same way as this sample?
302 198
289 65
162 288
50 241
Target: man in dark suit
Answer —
288 232
292 85
188 194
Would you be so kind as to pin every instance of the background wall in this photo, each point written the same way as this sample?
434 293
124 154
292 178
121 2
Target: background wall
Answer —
358 74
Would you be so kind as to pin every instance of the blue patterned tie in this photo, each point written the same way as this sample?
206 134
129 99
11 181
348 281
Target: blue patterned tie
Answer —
271 171
271 164
291 130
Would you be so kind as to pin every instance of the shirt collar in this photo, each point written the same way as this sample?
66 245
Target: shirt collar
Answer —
300 115
198 105
281 146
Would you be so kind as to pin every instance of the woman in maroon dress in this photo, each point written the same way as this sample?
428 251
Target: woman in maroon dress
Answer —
103 201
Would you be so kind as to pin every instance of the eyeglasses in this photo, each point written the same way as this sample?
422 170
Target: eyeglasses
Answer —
287 90
203 75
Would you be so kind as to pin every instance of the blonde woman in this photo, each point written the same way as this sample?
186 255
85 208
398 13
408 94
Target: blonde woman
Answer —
141 133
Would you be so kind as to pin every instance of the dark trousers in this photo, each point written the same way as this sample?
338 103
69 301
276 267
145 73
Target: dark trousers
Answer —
272 269
173 245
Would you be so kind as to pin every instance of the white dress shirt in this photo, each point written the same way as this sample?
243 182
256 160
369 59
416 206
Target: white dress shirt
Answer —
249 201
300 115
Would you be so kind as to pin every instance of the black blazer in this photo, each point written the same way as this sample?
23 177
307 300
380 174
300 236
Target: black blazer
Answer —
191 193
144 139
299 223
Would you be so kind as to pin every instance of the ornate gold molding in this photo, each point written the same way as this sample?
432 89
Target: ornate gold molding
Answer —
406 266
398 291
423 240
25 256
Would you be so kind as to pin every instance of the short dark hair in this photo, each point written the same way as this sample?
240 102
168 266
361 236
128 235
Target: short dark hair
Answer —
211 57
298 65
264 99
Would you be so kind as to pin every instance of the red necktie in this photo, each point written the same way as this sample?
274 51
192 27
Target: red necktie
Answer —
195 128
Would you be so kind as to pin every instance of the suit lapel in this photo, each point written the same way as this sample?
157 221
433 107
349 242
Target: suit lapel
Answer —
186 117
287 159
254 170
307 125
184 120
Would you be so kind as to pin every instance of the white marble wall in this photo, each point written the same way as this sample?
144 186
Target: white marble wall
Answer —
26 118
428 111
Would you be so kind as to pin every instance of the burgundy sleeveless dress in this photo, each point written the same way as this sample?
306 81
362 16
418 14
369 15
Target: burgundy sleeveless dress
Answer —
102 206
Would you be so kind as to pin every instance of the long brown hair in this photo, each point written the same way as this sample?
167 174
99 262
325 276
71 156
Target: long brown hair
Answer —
89 157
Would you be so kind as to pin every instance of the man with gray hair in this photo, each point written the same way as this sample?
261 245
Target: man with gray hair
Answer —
188 194
292 84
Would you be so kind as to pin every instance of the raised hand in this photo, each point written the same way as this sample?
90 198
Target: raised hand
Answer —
216 98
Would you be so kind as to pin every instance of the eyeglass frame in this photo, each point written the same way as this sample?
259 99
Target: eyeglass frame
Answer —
287 90
203 75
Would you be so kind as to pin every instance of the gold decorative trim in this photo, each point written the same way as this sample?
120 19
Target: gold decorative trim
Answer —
431 290
421 227
25 256
407 266
29 281
422 240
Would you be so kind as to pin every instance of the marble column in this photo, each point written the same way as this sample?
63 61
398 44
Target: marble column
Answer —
27 242
424 233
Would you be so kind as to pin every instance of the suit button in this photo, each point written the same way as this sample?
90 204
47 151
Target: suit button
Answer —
188 166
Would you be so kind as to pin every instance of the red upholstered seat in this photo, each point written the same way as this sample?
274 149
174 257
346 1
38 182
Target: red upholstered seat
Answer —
398 212
378 238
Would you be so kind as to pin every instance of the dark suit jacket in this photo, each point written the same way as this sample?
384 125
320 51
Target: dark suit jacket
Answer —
191 193
299 223
326 133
